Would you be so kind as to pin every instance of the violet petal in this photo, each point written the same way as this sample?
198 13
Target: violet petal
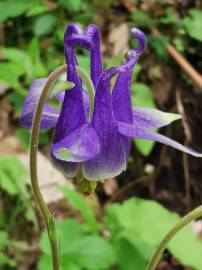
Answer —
133 131
69 169
115 147
113 154
96 58
72 113
121 92
81 144
91 41
49 115
152 118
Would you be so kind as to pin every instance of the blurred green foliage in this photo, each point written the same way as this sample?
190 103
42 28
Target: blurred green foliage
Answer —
193 24
126 237
10 169
31 33
141 19
142 97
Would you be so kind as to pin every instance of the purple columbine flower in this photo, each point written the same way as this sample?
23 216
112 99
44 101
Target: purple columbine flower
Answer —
98 142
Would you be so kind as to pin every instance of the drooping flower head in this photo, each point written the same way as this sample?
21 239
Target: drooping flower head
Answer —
93 133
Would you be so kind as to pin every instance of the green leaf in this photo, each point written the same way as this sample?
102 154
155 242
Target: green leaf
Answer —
30 214
113 61
103 4
169 17
17 100
5 260
71 5
2 220
33 50
68 231
24 136
145 147
179 44
36 10
136 70
11 9
84 62
129 258
6 183
34 53
86 16
45 262
193 24
150 221
6 69
141 19
142 97
78 201
159 43
66 264
142 248
19 57
91 251
13 176
44 24
43 138
3 239
78 251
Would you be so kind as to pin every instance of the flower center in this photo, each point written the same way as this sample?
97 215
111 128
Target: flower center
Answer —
83 185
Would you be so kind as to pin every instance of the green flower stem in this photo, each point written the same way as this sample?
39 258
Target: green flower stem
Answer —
196 213
47 216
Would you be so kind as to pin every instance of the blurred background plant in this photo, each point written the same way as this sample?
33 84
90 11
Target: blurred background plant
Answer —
97 233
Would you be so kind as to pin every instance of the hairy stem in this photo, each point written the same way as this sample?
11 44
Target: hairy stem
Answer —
33 166
47 216
196 213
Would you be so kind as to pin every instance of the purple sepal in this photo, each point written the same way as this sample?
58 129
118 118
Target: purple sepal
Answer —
133 131
49 115
108 108
69 169
80 145
152 118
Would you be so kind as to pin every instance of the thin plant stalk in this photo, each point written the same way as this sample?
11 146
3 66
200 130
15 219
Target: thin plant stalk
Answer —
196 213
47 216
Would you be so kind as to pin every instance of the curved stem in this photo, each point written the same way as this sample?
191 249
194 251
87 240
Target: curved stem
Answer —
33 166
196 213
48 218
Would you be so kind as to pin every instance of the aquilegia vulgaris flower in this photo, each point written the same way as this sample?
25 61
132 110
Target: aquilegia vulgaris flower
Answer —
93 134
